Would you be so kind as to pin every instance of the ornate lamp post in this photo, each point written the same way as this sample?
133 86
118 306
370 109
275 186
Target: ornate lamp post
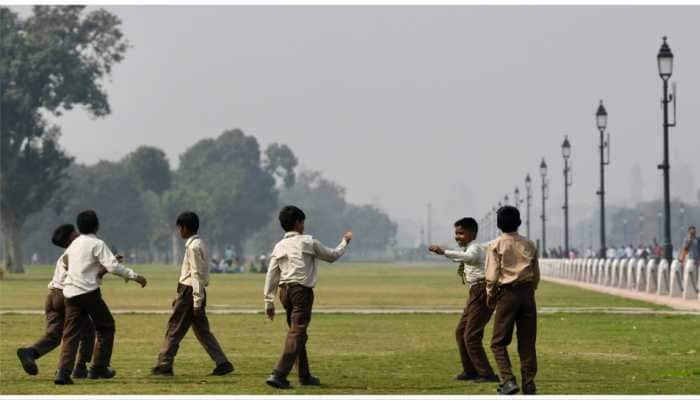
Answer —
545 196
602 122
566 153
528 198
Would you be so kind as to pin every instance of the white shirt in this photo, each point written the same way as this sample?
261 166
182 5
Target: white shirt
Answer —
195 268
85 258
59 273
293 260
473 259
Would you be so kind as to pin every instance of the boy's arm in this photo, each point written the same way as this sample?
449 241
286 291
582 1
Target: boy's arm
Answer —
199 268
470 256
536 271
492 270
272 280
330 255
105 257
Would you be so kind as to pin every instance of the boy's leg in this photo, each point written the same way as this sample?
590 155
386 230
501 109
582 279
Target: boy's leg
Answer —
301 299
467 366
200 325
503 324
74 320
178 324
102 318
87 342
526 323
55 314
478 315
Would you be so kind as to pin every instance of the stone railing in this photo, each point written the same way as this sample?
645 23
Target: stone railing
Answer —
649 276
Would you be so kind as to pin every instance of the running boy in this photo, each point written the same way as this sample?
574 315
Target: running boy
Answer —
470 329
293 269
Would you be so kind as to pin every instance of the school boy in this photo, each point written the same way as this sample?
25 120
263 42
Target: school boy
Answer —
85 258
470 329
54 309
293 268
189 307
512 276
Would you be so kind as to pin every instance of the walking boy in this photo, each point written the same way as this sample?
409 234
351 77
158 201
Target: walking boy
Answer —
293 269
85 258
189 307
470 329
54 310
512 276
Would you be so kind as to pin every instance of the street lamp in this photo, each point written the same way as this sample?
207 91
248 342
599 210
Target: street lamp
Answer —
641 230
505 200
601 117
624 231
566 153
665 63
516 197
545 196
528 198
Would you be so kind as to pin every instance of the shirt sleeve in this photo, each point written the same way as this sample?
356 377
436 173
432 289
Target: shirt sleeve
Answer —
327 254
472 255
199 268
493 266
105 257
536 271
272 280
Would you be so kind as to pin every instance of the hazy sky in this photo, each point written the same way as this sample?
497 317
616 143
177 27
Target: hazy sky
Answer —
410 105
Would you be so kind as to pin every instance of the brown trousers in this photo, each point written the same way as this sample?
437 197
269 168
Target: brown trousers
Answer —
180 322
55 312
79 309
297 301
516 308
470 332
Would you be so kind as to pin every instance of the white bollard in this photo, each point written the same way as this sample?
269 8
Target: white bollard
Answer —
622 278
641 282
632 273
690 280
652 277
675 288
662 279
606 276
614 276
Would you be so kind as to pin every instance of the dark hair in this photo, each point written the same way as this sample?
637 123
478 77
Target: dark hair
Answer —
62 234
189 220
468 224
289 216
87 222
691 227
508 219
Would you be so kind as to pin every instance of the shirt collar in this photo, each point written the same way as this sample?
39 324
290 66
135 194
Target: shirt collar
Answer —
191 239
291 234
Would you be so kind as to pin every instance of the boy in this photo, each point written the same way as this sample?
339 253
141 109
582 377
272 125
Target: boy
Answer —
54 310
84 259
512 276
470 329
293 269
190 303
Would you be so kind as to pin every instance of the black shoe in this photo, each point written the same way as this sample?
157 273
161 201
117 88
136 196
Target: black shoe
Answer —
466 376
530 388
485 379
80 371
101 373
162 370
309 381
278 382
223 369
509 387
26 357
62 377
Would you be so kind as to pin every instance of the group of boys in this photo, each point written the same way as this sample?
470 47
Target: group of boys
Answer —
501 275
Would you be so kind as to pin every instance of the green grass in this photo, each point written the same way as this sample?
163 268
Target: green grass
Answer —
339 286
399 354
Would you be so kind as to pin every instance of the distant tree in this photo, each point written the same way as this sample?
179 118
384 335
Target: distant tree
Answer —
50 62
281 162
372 228
150 168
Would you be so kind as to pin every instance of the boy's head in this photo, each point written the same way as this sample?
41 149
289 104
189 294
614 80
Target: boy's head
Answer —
466 230
292 219
87 222
64 235
508 219
187 224
691 230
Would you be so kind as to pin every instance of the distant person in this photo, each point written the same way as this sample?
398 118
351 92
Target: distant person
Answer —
658 250
35 258
55 312
691 247
228 255
263 263
512 276
293 269
189 307
84 261
470 329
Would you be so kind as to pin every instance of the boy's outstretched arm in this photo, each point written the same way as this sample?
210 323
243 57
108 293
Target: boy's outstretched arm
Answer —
329 255
110 262
492 270
272 280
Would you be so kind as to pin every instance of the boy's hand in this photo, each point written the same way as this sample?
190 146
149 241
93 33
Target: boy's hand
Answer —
347 236
436 249
119 257
270 311
197 312
491 302
141 280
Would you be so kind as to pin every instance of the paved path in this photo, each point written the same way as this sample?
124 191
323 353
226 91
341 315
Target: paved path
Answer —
676 303
395 311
